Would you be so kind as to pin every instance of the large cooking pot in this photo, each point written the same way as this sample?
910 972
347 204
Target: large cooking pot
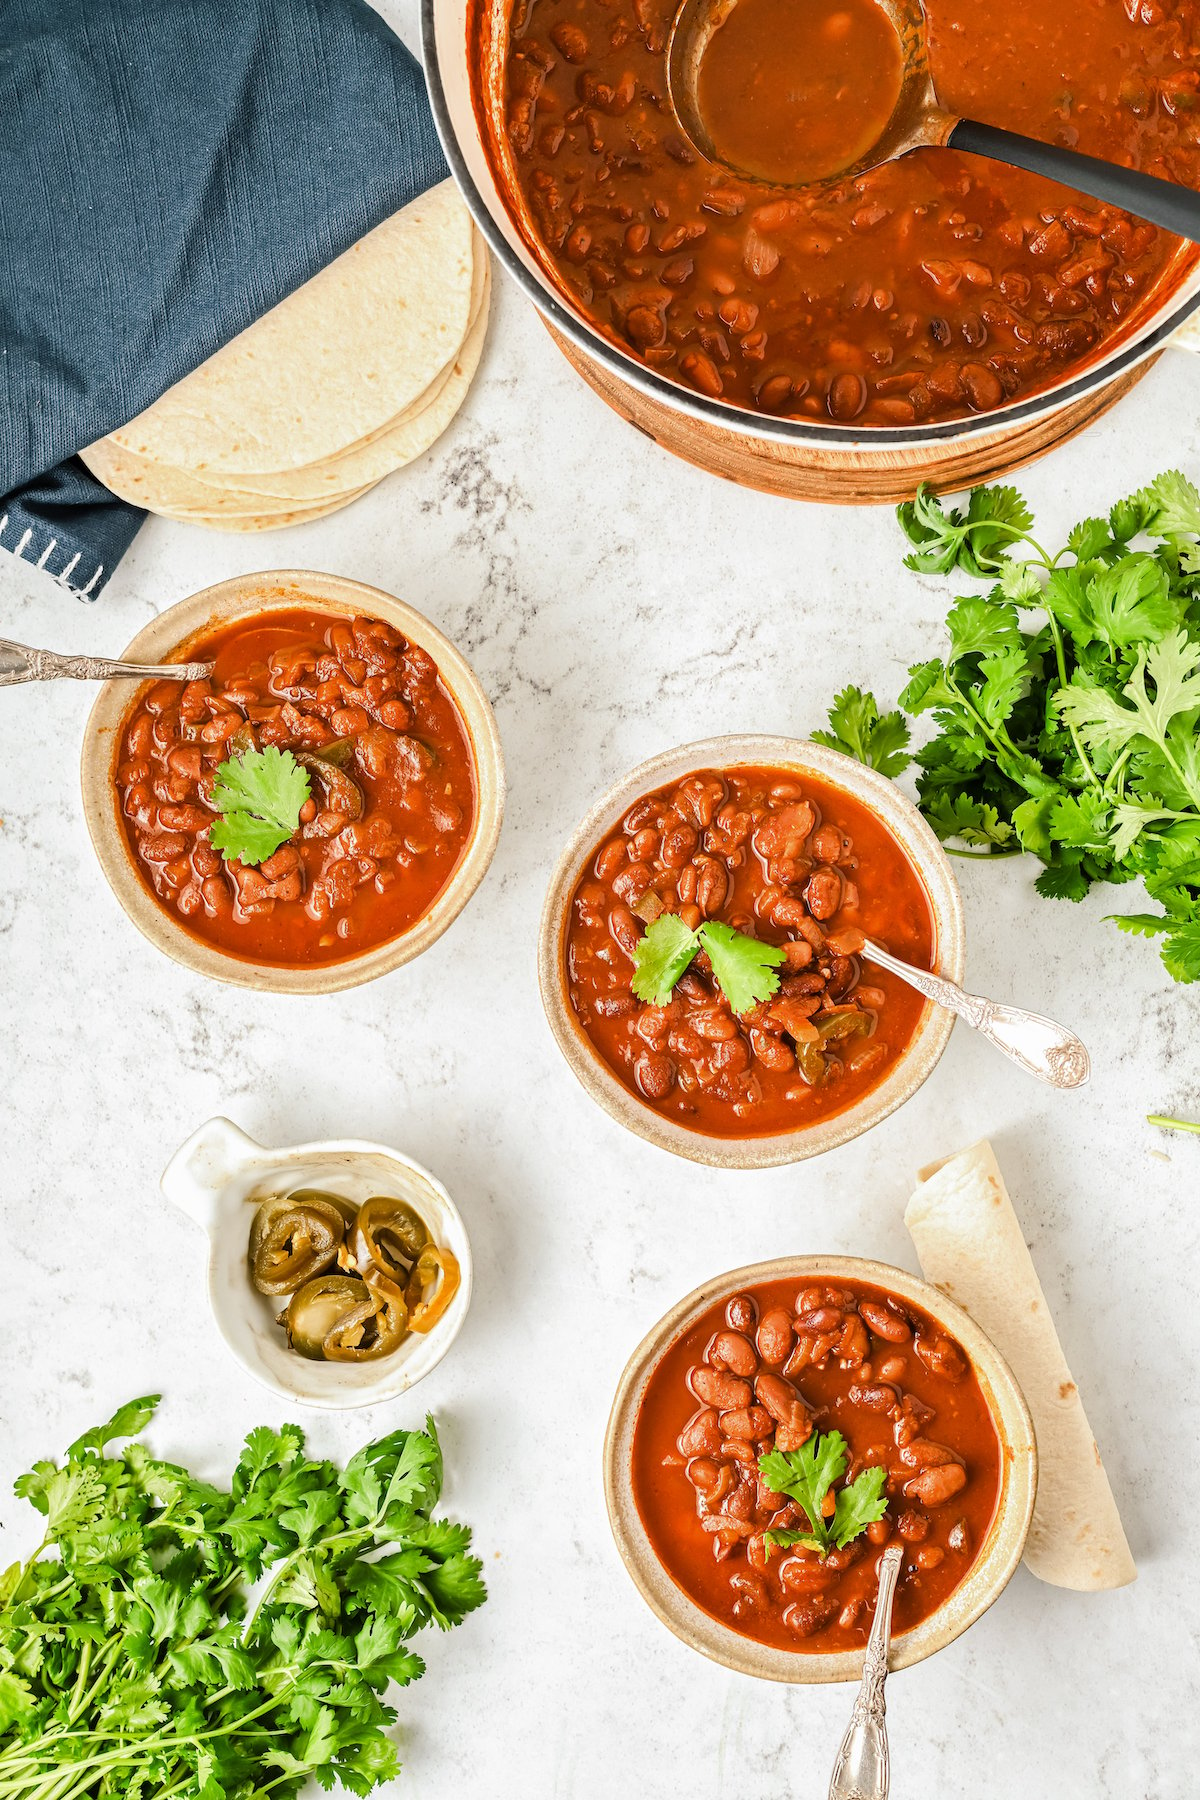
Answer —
852 462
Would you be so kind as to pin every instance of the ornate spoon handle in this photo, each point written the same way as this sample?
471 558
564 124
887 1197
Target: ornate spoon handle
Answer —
1039 1045
862 1770
21 662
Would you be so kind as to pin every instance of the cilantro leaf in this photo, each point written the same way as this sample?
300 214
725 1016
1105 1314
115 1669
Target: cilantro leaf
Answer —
859 1505
743 968
259 796
666 948
807 1475
972 821
1170 505
861 731
1181 952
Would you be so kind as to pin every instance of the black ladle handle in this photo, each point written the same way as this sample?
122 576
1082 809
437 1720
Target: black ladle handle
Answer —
1164 203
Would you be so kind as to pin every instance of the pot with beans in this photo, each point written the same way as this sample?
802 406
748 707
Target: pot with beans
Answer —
940 287
795 1427
377 743
793 870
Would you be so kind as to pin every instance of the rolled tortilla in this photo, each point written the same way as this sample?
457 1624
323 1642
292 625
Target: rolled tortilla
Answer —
970 1245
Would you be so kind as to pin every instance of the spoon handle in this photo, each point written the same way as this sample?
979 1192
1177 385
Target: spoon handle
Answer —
1039 1045
862 1768
1164 203
21 662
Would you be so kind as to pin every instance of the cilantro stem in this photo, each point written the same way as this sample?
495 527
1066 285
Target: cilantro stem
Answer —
983 855
1172 1124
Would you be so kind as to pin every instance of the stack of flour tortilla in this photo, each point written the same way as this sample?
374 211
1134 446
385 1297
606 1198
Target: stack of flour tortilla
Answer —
348 379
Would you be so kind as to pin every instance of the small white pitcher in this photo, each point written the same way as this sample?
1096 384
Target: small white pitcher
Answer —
220 1175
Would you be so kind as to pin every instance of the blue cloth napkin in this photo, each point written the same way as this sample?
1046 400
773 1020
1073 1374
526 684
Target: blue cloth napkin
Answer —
170 170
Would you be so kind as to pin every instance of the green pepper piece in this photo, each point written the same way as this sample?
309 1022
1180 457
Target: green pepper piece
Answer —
319 1307
340 792
842 1025
373 1328
293 1238
388 1235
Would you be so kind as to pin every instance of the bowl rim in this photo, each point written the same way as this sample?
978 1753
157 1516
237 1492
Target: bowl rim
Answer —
918 842
388 1378
243 596
988 1575
1142 343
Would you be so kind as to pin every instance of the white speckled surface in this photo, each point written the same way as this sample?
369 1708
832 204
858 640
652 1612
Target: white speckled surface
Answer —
613 602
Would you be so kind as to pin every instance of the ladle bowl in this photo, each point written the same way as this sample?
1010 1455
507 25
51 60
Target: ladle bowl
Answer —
919 121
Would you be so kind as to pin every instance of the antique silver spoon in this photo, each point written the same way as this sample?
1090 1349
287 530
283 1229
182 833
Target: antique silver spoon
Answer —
1040 1045
20 662
862 1770
920 121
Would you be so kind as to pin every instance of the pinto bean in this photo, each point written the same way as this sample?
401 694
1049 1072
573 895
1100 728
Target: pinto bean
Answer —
774 1337
913 1527
624 929
748 1422
877 1398
807 1616
921 1454
806 1574
726 1392
742 1313
787 1407
821 1318
941 1356
823 893
933 1487
701 1436
730 1350
884 1322
655 1075
703 1473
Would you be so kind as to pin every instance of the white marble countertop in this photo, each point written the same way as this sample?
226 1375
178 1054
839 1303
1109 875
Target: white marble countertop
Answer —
614 602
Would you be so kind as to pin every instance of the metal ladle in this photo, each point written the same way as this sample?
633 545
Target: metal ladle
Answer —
919 121
862 1769
21 662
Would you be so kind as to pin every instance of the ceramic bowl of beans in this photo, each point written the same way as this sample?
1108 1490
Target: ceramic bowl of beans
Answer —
350 712
778 856
765 1367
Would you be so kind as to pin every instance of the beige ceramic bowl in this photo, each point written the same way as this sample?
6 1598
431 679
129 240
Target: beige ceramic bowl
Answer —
166 639
989 1574
799 756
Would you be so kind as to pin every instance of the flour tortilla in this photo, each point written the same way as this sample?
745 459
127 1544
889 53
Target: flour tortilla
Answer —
422 430
970 1245
266 521
334 363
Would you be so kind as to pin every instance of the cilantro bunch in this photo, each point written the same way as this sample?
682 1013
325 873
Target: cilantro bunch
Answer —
807 1475
172 1638
1066 708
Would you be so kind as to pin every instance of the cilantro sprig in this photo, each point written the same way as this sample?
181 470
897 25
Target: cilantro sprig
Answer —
132 1661
743 968
258 795
1067 705
807 1475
